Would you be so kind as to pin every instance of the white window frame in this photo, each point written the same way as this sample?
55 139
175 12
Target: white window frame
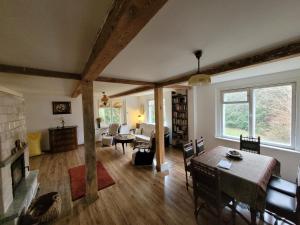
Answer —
164 111
250 100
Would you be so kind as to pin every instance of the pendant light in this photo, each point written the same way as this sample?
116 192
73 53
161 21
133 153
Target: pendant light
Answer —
199 79
104 99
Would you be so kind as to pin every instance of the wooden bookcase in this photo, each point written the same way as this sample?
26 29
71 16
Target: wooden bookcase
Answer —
179 119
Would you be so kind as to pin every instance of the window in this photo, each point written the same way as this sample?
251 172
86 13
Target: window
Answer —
151 111
110 115
265 111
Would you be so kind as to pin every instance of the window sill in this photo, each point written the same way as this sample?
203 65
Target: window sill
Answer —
269 147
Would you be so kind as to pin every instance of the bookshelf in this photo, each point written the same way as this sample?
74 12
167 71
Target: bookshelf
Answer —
179 119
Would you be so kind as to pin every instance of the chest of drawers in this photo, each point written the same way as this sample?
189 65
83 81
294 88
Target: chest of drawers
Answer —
63 139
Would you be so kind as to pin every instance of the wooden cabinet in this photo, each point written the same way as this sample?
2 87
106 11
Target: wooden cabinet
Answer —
63 139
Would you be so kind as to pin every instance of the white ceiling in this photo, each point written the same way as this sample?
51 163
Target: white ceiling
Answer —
50 34
54 86
223 29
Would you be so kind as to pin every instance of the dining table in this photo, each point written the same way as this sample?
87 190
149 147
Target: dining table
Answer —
247 179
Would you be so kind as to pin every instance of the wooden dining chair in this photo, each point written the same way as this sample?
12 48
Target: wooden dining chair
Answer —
199 143
206 186
250 144
188 154
283 206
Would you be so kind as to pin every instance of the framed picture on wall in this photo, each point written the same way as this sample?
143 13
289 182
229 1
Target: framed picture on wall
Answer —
61 107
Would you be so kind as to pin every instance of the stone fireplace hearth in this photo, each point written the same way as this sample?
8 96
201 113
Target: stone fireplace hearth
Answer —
18 185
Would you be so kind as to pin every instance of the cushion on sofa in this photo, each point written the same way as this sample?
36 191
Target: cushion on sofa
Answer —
148 128
141 137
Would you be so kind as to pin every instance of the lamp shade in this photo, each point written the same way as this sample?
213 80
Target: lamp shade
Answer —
199 79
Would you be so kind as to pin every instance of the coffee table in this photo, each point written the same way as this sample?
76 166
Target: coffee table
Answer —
123 139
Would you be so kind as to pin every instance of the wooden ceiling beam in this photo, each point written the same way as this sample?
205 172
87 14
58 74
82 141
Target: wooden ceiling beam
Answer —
38 72
132 91
77 90
178 86
124 22
124 81
276 54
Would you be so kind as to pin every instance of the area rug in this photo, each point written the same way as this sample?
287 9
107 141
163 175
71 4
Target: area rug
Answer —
77 179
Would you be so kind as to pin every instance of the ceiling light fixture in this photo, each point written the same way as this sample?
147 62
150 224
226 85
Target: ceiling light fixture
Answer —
104 99
199 79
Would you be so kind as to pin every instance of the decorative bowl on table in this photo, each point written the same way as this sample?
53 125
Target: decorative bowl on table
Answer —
234 154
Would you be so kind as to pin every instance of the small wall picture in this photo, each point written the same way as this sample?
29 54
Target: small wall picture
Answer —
61 107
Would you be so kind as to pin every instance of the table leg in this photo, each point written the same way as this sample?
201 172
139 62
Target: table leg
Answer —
253 216
123 148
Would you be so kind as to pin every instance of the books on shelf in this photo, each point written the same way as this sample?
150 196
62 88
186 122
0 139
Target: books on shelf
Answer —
180 118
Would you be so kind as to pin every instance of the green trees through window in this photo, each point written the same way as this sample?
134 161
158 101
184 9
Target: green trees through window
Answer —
110 115
265 112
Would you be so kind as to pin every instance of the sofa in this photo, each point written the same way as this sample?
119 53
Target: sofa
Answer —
146 131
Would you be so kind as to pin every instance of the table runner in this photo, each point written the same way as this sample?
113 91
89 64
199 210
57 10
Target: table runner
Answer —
247 179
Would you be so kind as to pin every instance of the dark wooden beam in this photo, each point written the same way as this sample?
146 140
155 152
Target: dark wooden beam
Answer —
124 22
124 81
178 86
77 90
38 72
278 53
132 91
89 141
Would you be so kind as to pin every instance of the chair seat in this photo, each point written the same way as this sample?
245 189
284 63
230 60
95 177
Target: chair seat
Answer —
280 203
283 186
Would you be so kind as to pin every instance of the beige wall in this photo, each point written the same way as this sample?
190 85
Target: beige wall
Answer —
39 117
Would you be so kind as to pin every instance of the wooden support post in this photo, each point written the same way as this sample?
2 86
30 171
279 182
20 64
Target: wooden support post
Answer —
89 141
159 130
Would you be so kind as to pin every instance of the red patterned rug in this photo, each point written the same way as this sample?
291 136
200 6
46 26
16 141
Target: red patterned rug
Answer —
77 179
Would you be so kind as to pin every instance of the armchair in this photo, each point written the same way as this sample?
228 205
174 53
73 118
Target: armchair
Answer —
107 138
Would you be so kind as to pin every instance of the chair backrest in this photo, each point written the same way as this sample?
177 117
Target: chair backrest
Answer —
188 153
113 129
124 129
199 143
206 182
250 144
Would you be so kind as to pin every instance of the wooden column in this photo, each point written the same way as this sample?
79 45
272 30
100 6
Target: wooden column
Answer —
89 141
159 130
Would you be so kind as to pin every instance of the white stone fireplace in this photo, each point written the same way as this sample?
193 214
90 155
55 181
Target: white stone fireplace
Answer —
15 194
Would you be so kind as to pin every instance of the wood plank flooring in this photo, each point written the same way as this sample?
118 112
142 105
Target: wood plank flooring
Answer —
141 196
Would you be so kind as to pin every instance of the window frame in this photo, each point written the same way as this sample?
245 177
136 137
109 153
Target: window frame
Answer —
148 111
251 116
110 114
164 111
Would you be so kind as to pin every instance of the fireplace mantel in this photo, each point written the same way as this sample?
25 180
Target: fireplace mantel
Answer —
12 158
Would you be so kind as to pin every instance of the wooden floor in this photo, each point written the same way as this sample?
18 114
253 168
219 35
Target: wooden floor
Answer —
140 195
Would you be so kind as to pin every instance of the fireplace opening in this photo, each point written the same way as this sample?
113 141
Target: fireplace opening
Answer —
17 172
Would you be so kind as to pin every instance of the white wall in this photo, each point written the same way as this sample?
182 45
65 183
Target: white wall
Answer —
207 110
39 117
132 110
